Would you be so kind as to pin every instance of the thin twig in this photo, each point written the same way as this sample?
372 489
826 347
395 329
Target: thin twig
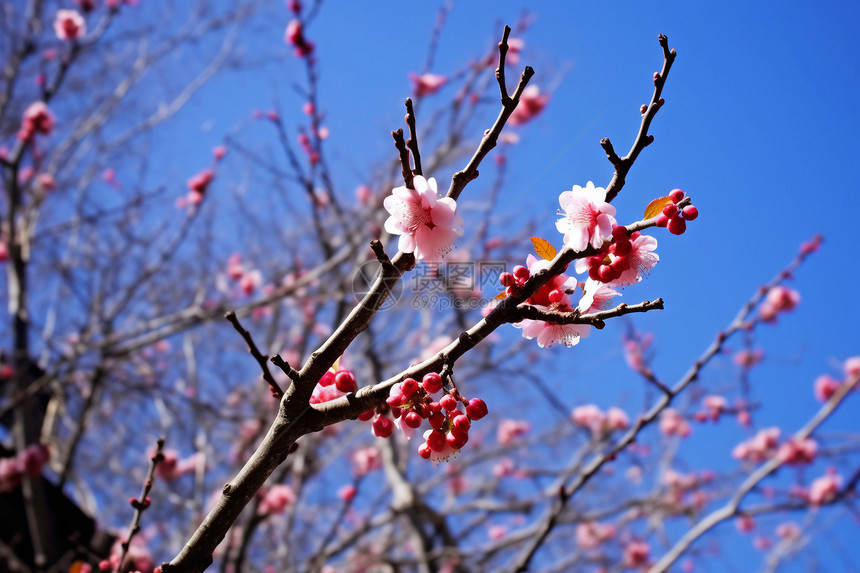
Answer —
595 319
500 71
740 323
643 140
412 142
261 359
730 509
405 169
140 504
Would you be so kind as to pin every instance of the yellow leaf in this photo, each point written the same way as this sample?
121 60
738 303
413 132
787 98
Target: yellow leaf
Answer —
655 207
544 248
501 296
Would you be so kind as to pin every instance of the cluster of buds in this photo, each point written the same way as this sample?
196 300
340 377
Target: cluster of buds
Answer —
514 282
295 36
412 402
334 384
37 119
675 218
29 461
305 144
615 260
197 186
248 279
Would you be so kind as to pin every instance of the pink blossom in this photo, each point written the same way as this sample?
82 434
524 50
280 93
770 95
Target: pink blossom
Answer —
852 367
365 460
172 468
364 194
638 262
672 423
825 488
458 483
276 500
109 177
548 333
634 353
552 296
46 181
798 451
745 524
427 225
200 182
26 174
788 530
762 543
748 358
760 447
825 387
250 281
295 36
715 405
426 84
587 217
678 481
496 532
293 32
219 152
588 416
234 266
596 296
617 419
29 461
69 25
347 493
504 467
779 299
636 553
591 534
137 557
510 430
37 119
531 104
515 46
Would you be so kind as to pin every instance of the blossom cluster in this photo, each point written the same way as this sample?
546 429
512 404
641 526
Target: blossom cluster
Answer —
411 402
37 119
599 422
623 258
29 461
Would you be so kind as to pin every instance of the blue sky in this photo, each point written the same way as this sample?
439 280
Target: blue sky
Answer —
759 127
